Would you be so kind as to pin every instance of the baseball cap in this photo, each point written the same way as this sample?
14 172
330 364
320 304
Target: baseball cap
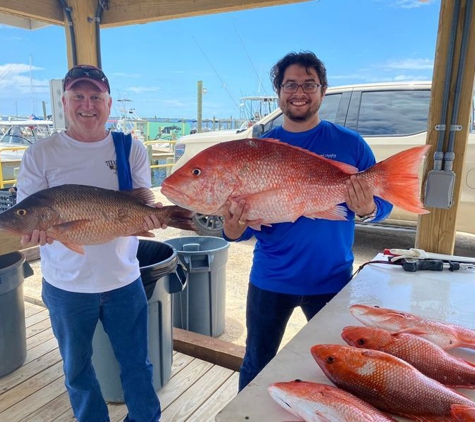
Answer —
86 72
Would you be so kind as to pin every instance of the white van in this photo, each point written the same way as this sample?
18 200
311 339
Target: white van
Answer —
391 117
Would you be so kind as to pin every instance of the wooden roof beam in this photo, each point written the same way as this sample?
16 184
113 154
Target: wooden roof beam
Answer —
126 12
49 11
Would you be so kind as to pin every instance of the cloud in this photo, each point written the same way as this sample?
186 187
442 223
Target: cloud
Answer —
142 89
124 75
16 79
408 4
421 64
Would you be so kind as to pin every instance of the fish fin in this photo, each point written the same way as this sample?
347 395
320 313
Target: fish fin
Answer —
338 212
346 168
74 247
467 386
143 233
398 179
68 226
417 331
177 217
463 412
142 195
257 224
429 418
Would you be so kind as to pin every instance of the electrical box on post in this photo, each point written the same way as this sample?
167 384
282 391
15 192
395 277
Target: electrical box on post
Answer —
439 189
57 109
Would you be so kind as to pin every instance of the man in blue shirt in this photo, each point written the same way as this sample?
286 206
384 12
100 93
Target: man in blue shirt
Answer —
307 262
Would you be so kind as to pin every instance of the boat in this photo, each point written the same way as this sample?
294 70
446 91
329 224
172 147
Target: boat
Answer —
128 122
15 137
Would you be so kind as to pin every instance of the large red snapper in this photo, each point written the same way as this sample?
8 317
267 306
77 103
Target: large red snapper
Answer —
77 215
386 382
281 182
315 402
443 334
424 355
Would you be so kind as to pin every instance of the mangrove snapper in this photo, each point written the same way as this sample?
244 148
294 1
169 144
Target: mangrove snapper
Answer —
281 182
77 215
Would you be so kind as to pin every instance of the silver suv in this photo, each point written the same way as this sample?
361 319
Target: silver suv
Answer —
391 117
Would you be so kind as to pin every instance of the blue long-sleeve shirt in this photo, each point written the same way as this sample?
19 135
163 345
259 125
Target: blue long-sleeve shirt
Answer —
308 256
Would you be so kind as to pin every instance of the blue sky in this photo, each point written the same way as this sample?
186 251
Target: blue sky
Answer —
157 65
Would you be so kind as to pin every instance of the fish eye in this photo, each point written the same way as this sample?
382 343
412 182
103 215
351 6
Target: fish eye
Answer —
21 212
196 172
361 342
330 359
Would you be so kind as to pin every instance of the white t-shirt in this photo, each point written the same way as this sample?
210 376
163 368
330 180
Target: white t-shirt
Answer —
60 160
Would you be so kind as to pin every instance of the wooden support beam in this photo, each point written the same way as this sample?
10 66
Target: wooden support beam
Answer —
209 349
436 231
84 37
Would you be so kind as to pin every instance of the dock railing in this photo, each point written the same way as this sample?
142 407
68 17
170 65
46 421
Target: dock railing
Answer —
162 149
158 150
12 165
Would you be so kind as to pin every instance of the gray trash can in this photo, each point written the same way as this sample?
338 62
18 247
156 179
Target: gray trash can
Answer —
200 307
13 270
162 274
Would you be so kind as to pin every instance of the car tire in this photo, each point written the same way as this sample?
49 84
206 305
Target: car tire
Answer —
209 225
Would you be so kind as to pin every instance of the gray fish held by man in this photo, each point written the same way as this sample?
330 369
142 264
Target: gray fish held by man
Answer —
77 215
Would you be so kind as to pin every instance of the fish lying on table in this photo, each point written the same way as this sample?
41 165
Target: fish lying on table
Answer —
77 215
427 357
281 182
447 336
315 402
387 382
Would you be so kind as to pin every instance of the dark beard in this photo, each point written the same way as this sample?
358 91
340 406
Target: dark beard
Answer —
301 117
298 118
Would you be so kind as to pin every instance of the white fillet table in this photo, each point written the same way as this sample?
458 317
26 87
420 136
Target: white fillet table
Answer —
443 296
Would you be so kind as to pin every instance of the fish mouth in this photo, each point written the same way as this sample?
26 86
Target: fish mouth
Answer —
8 229
175 196
183 200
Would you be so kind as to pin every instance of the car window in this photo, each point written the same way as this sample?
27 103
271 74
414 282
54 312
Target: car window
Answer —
259 129
329 108
386 113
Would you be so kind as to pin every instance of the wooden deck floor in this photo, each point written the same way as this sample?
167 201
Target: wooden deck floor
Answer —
196 391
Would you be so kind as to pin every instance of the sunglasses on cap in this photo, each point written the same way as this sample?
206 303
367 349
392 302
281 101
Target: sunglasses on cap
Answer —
85 72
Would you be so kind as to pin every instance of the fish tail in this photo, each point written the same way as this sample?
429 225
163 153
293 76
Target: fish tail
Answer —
178 217
398 180
462 412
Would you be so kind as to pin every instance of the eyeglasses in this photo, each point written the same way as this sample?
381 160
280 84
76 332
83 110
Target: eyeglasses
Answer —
307 87
86 72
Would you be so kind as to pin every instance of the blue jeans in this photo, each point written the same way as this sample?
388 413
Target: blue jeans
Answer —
267 314
124 315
